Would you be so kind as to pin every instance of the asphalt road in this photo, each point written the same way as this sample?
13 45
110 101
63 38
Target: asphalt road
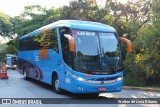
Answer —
17 87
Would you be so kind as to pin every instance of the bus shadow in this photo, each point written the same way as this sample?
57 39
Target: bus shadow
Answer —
71 98
89 99
66 93
40 84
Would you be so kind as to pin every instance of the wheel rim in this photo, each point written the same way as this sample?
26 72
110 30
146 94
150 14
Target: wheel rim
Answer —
57 85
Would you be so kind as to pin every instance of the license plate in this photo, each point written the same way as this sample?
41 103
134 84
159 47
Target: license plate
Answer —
102 89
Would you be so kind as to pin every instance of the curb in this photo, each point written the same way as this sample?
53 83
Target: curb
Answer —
141 88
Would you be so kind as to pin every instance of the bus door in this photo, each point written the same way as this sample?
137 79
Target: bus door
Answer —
66 55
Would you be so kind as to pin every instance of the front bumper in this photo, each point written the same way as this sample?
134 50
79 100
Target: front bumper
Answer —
77 86
87 88
11 67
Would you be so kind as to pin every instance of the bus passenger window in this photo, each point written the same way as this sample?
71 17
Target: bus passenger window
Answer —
44 40
54 40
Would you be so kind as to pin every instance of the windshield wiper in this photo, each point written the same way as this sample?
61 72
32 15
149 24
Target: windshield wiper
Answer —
84 70
115 70
103 59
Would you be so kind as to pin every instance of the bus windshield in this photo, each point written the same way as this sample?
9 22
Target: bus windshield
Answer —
97 52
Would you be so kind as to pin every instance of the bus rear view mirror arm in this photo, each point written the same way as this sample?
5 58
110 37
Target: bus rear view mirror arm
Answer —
71 42
128 42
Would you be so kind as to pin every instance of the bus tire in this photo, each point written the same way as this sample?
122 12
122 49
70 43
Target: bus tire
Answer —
55 84
25 74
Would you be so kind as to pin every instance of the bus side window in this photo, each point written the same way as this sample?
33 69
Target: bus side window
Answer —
65 45
54 40
25 44
39 41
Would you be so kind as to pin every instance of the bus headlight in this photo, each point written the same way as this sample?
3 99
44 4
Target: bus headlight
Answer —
6 65
120 78
15 65
81 79
77 78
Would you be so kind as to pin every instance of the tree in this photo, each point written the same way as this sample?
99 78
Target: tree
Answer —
52 15
32 18
5 25
130 17
145 62
20 26
83 10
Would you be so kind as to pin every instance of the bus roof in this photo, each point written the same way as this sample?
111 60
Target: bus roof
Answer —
11 55
76 24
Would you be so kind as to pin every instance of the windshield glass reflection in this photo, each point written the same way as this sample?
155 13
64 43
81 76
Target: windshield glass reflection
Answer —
96 51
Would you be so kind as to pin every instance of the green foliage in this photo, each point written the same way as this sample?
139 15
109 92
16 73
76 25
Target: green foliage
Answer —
145 63
11 49
134 73
52 15
20 25
32 18
5 25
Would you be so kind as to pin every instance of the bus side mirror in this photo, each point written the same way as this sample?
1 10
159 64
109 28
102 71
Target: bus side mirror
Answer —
71 42
128 42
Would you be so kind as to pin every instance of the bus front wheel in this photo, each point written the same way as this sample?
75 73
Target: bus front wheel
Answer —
55 84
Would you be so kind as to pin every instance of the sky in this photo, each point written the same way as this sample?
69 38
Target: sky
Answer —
16 7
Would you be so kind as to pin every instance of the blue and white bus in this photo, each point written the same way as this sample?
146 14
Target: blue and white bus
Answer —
11 61
77 56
